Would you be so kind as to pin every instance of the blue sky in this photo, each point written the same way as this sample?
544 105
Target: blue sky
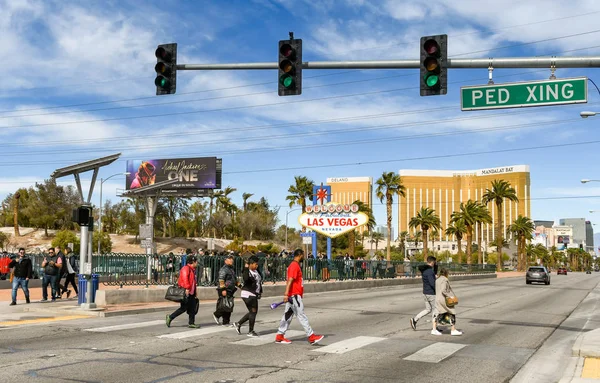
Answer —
78 84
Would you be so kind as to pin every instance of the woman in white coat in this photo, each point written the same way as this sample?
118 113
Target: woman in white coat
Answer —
443 290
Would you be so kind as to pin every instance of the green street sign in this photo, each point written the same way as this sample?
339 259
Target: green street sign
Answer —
524 94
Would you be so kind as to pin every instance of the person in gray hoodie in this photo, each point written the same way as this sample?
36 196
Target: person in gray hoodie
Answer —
428 272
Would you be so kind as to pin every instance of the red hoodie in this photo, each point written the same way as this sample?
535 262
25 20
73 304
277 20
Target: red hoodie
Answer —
187 279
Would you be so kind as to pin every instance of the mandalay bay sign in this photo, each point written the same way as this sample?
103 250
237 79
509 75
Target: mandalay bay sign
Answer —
333 219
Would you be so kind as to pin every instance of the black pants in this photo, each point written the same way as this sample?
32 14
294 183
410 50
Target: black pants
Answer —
222 314
188 305
70 279
252 306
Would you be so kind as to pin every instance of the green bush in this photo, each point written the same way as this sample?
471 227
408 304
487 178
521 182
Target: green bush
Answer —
64 237
105 242
269 248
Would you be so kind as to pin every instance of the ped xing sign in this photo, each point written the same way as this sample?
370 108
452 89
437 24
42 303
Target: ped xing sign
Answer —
524 94
333 219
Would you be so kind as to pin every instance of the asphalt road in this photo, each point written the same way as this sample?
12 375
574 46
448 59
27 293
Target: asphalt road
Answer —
368 338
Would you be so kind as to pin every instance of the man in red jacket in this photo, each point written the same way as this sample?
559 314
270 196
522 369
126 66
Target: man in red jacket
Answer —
187 280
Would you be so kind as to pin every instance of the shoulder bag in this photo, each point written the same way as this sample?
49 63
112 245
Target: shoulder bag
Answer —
175 294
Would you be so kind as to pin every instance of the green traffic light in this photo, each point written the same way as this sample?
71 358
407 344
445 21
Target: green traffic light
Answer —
432 80
161 82
287 81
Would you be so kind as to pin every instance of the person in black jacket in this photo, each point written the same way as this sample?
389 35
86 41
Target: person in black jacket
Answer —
226 289
428 272
250 295
71 270
22 273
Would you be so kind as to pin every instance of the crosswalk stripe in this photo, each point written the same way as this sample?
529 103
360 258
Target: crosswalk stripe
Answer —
126 326
192 333
269 338
436 352
349 344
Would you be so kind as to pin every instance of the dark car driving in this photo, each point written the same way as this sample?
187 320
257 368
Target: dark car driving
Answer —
537 274
561 270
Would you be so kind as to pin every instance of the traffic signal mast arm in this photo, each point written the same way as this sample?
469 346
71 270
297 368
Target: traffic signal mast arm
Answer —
506 62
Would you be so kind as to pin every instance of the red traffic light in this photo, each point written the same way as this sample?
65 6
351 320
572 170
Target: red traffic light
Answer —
287 51
162 53
431 47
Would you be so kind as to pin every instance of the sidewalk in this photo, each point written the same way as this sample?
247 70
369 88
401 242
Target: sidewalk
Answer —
569 356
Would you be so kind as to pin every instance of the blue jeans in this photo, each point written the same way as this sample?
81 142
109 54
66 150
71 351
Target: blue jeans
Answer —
17 281
53 281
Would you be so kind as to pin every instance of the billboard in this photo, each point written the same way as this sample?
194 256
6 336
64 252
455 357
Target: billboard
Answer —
193 173
562 242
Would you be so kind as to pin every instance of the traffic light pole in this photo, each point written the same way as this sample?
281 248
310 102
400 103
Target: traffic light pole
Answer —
506 62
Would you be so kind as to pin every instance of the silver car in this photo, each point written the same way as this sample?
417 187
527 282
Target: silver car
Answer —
537 274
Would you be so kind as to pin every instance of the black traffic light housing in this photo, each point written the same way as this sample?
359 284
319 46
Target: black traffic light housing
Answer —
166 69
289 77
82 215
433 65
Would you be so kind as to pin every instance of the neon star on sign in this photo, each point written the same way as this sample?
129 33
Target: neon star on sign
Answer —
333 219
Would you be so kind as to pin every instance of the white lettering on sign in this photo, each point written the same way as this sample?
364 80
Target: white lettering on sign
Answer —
551 94
477 94
506 93
488 96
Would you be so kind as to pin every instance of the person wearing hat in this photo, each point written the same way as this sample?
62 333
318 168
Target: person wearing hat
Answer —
187 280
226 289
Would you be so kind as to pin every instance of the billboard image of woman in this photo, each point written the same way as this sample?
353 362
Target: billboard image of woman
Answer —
145 175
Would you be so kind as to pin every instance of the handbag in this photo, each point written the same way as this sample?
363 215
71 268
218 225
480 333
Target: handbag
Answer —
175 294
451 301
12 276
225 304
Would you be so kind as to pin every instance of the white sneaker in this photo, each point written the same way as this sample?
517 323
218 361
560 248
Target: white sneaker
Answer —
435 332
455 333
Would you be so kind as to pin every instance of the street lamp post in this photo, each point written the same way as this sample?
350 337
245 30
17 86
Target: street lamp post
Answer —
102 180
286 225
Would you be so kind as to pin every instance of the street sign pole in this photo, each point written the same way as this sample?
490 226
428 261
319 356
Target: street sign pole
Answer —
485 63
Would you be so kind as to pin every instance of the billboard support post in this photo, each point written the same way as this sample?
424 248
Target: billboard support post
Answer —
151 204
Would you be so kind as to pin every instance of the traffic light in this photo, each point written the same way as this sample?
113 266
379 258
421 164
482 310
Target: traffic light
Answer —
82 215
290 67
166 69
434 60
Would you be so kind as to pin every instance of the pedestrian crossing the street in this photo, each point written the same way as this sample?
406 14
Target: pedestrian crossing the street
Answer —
427 352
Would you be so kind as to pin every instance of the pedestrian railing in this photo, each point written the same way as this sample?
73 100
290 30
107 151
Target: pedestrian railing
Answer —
122 269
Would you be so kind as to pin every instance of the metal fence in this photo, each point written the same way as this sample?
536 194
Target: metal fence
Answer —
139 269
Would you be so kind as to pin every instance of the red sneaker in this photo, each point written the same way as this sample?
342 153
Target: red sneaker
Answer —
279 338
314 339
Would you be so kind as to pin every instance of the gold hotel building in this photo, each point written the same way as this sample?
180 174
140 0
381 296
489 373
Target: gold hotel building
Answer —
444 190
349 189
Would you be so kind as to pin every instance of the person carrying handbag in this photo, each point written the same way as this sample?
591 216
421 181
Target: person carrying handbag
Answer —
187 280
445 300
227 287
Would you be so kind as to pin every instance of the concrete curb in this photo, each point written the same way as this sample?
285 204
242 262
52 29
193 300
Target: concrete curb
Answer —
587 344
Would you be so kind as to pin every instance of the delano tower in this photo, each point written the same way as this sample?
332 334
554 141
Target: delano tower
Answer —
444 190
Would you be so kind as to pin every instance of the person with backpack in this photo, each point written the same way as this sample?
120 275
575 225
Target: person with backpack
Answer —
52 266
428 272
187 280
251 292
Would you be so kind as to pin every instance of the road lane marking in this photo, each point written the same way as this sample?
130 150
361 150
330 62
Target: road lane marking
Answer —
199 332
126 326
269 338
349 344
436 352
42 320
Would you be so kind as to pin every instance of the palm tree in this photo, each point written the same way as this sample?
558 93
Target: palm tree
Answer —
500 191
457 229
362 208
416 238
522 228
402 237
16 214
434 235
300 191
388 185
375 238
425 219
245 197
483 217
468 213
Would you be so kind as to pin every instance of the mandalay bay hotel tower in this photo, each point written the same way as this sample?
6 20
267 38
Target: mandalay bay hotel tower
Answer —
444 190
